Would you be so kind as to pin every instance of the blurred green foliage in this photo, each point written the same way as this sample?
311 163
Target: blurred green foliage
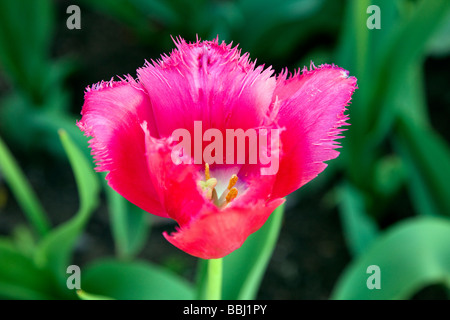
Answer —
391 145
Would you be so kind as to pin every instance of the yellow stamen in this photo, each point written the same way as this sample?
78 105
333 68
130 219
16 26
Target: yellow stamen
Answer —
207 176
232 182
209 184
232 194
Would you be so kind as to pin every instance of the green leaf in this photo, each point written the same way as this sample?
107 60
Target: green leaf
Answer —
25 34
424 153
24 194
405 47
427 158
134 281
411 255
130 226
47 123
353 53
409 101
55 250
359 228
39 123
389 175
244 268
24 240
20 278
83 295
390 52
439 44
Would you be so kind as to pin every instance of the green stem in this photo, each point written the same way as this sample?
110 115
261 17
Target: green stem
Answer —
214 286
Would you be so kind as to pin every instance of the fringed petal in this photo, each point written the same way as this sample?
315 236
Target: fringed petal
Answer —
111 115
209 82
312 106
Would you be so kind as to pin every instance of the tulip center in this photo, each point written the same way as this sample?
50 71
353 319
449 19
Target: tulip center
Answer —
209 188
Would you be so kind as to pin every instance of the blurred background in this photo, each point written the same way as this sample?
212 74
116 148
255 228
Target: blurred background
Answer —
387 190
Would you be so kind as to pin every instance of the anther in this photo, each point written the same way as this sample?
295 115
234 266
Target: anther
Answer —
232 194
232 182
207 176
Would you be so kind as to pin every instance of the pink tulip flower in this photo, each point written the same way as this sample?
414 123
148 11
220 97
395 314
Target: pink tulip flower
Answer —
296 120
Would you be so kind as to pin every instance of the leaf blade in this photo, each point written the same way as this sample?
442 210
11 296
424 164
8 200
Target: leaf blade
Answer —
55 249
411 255
22 190
359 229
134 281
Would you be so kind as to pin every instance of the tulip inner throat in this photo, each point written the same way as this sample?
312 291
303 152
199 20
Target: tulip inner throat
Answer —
209 188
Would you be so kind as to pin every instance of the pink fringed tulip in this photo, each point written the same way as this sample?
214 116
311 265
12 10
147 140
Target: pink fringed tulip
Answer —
216 205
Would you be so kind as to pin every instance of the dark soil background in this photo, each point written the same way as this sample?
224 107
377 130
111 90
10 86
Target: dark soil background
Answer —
311 252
